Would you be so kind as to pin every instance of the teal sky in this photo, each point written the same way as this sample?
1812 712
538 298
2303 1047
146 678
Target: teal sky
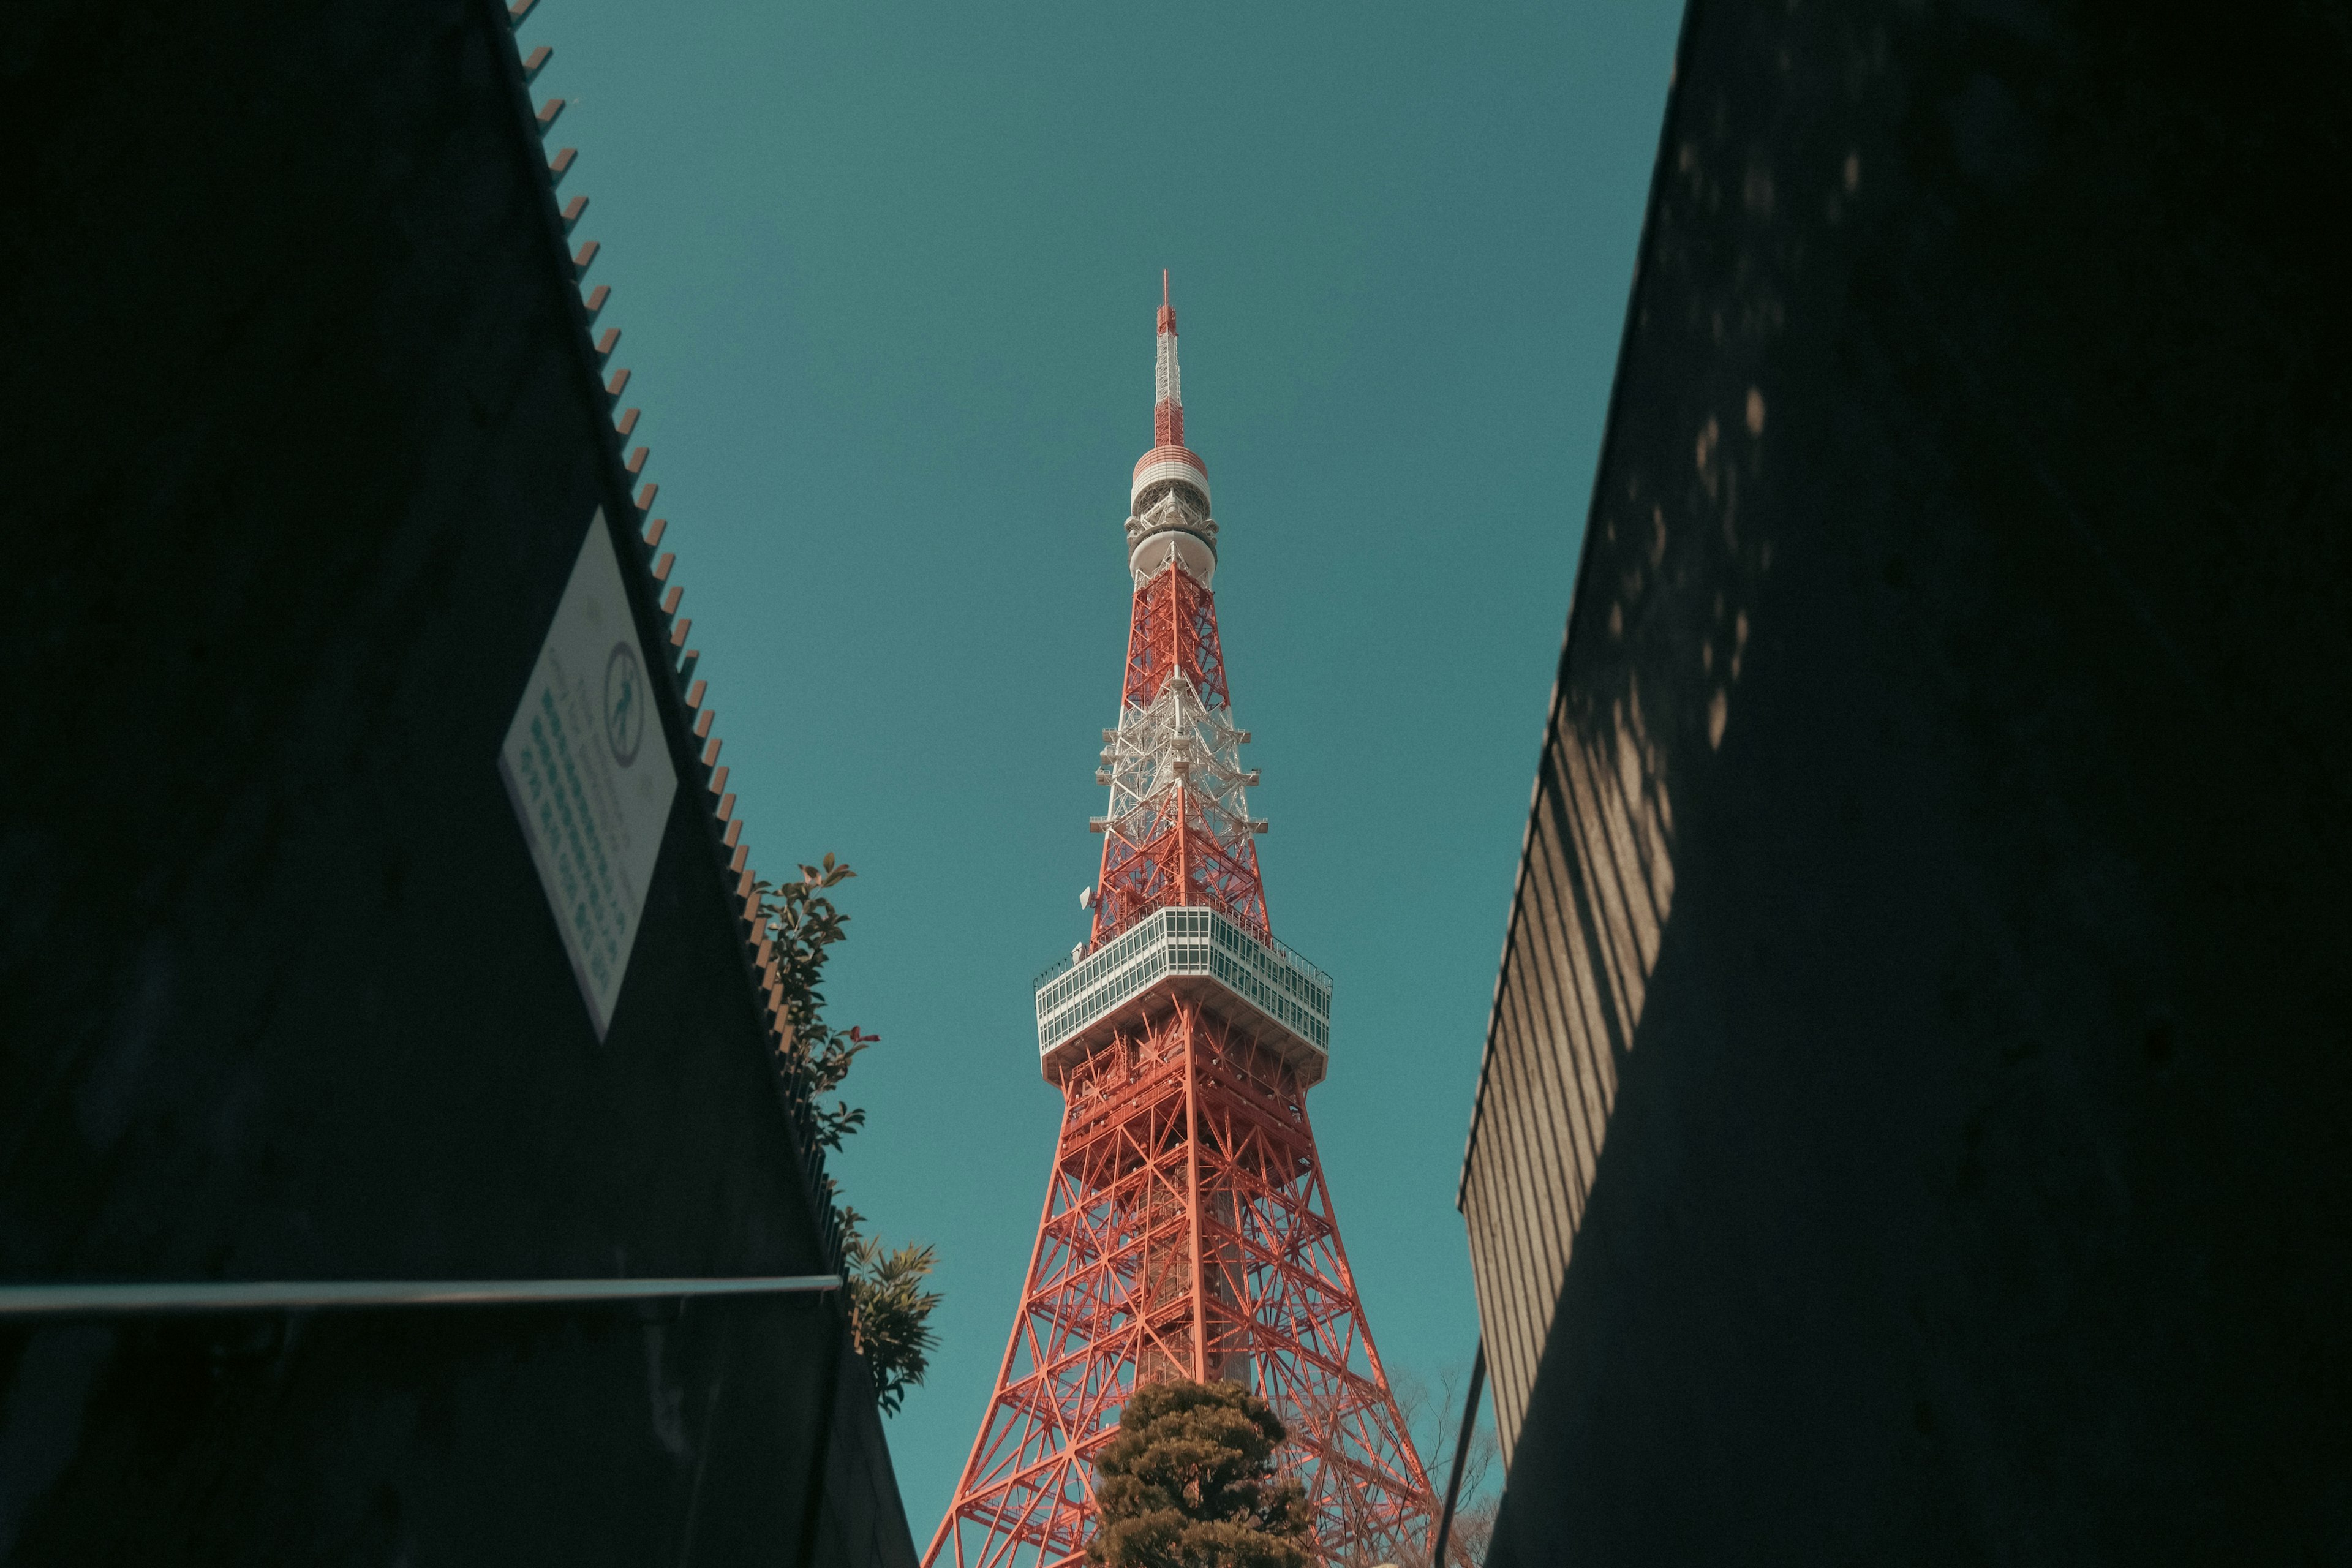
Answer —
886 276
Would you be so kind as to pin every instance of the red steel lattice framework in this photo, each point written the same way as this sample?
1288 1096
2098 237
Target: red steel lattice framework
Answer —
1173 849
1188 1230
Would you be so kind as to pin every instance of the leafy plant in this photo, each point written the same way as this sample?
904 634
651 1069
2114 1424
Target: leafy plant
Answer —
802 922
890 1311
1190 1482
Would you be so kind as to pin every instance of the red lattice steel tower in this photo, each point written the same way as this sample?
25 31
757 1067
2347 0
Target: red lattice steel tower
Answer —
1188 1230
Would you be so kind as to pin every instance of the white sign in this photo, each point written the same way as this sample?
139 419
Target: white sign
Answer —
588 769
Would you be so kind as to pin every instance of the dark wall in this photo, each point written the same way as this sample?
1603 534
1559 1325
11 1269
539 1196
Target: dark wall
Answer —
305 433
1969 553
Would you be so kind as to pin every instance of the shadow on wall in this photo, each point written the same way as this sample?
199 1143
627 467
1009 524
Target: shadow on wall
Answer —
1671 568
1943 785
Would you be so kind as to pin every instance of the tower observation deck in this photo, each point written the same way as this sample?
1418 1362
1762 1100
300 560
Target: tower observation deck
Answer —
1187 1231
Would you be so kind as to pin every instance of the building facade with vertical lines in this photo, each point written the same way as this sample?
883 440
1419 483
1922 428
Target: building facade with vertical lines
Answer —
1910 1121
1595 886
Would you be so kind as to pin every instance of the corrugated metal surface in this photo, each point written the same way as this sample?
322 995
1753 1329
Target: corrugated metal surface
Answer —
1595 886
1972 1181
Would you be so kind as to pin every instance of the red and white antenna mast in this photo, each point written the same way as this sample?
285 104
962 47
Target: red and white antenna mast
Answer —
1188 1231
1179 830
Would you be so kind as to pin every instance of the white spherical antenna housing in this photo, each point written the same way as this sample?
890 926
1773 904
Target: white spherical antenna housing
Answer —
1175 526
1150 558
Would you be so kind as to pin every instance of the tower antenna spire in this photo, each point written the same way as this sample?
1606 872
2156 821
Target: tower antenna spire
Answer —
1167 412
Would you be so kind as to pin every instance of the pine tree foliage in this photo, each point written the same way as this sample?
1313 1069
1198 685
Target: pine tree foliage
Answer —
889 1312
1190 1482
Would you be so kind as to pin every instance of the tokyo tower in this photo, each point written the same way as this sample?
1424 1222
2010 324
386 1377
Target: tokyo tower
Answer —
1188 1231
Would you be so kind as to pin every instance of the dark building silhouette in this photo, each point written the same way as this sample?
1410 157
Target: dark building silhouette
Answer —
307 432
1913 1123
